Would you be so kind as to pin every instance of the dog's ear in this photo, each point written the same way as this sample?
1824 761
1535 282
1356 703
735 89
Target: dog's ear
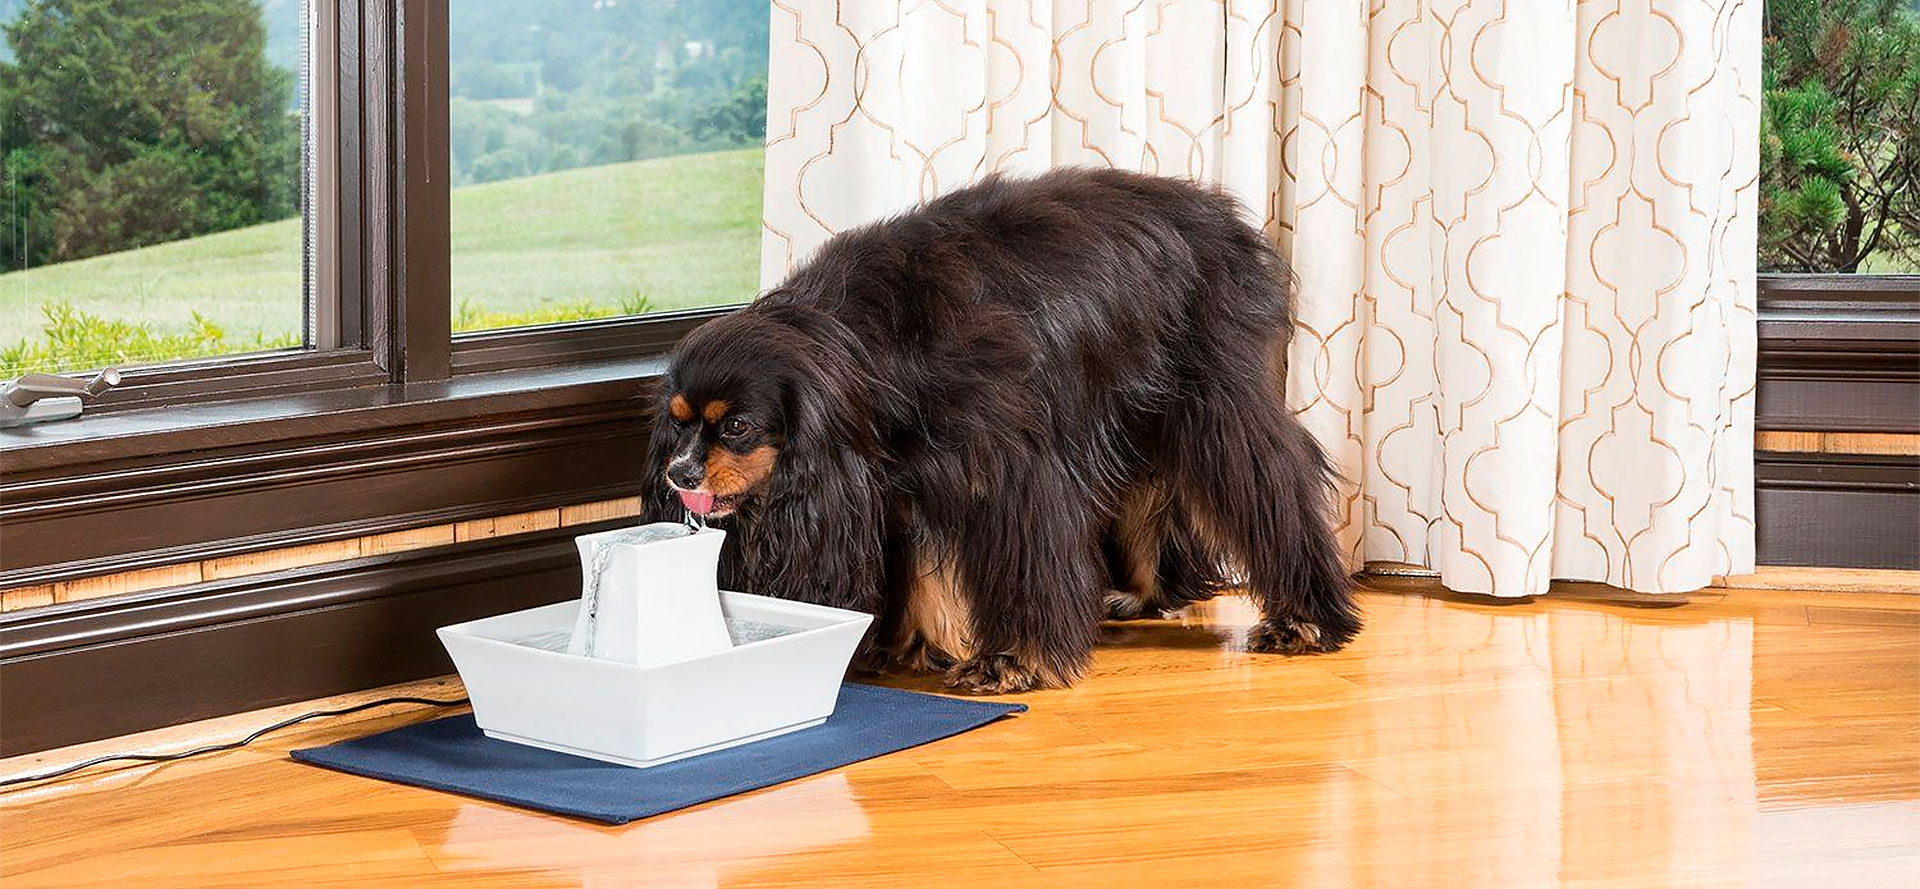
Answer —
819 535
657 501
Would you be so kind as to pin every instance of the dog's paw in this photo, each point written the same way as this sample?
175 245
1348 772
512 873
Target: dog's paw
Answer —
870 661
1118 605
916 656
993 674
931 660
1286 635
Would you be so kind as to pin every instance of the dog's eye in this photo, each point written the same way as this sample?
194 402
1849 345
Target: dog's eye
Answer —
735 427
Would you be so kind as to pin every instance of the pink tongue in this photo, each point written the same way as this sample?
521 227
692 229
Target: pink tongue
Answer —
700 502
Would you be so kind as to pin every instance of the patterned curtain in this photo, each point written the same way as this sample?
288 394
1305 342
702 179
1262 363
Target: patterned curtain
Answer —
1523 232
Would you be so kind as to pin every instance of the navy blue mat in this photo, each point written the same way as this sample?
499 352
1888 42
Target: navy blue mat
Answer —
451 754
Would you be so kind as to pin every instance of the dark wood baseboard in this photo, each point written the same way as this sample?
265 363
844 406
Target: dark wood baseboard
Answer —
1837 510
99 669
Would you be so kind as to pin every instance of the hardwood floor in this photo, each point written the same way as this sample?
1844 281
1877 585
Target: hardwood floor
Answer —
1748 738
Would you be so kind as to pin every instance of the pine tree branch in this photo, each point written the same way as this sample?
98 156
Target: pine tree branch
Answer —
1799 255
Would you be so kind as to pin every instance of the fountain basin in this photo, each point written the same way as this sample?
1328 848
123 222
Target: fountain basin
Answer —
782 674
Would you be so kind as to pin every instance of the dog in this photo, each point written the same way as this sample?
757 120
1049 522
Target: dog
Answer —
995 420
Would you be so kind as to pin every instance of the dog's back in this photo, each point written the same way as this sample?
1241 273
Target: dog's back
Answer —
1104 287
1083 250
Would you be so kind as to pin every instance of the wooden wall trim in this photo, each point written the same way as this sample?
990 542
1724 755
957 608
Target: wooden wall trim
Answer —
250 561
1854 511
1804 442
565 437
1839 353
97 669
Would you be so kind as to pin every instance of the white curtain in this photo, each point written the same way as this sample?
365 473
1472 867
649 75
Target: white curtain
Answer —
1523 232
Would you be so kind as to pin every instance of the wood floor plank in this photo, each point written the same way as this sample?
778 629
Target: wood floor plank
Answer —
1750 737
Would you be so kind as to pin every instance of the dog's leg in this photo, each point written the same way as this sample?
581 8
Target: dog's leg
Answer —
1256 484
1192 569
1134 543
1027 569
935 627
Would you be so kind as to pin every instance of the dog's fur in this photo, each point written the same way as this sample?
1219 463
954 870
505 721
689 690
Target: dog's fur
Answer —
994 420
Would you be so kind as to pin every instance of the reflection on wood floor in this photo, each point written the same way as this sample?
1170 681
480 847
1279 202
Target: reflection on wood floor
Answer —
1747 738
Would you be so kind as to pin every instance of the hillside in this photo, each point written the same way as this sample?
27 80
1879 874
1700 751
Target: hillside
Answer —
677 231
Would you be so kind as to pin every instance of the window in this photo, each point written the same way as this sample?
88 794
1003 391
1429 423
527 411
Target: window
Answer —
297 195
1840 137
151 181
605 156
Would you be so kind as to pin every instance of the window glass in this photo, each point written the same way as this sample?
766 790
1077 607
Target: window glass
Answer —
151 181
1840 137
606 157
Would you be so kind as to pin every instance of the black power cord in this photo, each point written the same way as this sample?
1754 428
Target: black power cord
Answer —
231 745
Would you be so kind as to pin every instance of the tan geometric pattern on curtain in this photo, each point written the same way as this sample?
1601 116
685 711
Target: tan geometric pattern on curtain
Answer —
1523 232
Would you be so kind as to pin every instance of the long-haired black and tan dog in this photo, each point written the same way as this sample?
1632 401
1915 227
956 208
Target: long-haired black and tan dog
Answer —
995 420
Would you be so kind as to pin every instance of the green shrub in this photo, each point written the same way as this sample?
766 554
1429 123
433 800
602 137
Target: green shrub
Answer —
76 340
72 339
468 316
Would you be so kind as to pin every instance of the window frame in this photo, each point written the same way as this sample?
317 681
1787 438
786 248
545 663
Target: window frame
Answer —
380 275
422 289
350 72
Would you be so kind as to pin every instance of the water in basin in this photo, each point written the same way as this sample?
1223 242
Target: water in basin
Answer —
742 630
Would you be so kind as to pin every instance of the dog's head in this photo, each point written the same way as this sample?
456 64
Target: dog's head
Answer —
753 402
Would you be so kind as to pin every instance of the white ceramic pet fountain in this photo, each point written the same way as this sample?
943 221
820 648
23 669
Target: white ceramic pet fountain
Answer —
654 662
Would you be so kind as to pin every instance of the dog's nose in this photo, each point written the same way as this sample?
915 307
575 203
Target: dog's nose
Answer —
686 474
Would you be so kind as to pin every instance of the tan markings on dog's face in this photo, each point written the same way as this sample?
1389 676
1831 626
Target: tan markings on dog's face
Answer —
679 408
729 473
714 410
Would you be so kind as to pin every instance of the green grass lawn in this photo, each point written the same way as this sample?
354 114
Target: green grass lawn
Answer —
675 232
679 232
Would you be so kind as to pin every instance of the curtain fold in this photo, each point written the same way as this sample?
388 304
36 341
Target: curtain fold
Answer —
1523 232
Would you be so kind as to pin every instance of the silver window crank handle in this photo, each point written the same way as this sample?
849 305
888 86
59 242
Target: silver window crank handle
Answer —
40 398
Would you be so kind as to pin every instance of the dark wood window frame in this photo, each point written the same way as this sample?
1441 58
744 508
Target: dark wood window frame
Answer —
395 423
